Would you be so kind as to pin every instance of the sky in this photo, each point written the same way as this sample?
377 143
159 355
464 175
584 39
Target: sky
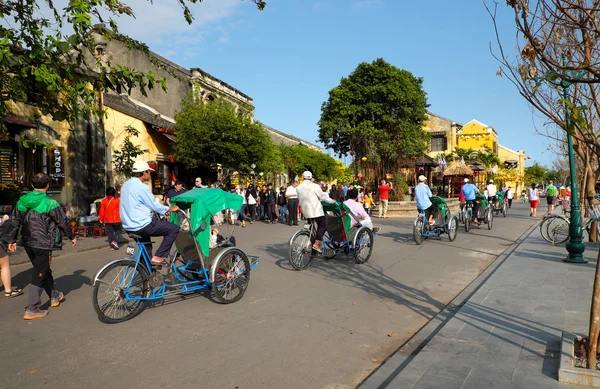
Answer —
290 55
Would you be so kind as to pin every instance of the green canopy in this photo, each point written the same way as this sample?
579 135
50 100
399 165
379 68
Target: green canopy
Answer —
336 208
203 204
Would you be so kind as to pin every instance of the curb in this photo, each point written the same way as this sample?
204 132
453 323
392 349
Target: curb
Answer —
399 360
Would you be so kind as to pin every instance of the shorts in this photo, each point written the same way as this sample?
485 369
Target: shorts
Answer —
550 200
533 203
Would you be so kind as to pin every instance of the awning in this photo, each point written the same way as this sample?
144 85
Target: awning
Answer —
18 121
169 136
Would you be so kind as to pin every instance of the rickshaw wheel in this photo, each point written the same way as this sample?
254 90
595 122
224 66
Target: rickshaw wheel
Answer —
109 292
232 276
329 250
504 209
490 220
300 253
418 230
468 221
452 228
362 246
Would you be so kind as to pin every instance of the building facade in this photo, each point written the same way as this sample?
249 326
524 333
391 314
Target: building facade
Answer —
478 136
444 134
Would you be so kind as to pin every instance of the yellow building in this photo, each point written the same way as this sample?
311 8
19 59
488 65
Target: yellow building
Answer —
478 136
443 133
512 159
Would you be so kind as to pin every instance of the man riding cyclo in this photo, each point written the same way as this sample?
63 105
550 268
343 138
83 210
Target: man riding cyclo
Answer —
310 196
424 204
469 191
491 192
137 202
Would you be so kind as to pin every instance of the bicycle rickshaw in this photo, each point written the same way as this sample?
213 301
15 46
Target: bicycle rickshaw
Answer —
124 287
444 223
339 237
484 212
501 205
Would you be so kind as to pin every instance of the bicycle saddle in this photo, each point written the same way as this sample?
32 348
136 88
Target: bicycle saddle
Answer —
138 237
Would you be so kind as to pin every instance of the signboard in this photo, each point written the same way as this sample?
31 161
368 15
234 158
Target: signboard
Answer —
56 167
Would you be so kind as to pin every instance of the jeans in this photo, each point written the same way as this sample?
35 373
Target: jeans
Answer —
167 230
282 211
270 211
293 211
242 216
261 211
113 230
41 276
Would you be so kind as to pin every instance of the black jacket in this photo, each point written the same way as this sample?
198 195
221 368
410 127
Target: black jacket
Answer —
41 221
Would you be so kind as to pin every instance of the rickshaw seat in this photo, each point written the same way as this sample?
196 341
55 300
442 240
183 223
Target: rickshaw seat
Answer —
187 247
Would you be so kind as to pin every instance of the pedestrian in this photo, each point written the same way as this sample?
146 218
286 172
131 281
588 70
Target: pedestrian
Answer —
242 216
198 183
9 290
110 217
270 200
384 189
292 203
42 223
176 191
262 203
368 203
344 190
509 196
251 200
533 200
282 203
551 191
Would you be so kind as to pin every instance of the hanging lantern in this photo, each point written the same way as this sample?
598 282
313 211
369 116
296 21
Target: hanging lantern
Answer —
171 158
529 157
352 153
364 159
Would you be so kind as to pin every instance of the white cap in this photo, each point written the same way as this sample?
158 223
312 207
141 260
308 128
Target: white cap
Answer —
466 180
307 175
422 178
141 166
490 181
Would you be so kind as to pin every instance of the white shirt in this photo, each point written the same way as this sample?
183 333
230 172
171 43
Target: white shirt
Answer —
291 192
243 194
509 194
310 196
533 194
491 189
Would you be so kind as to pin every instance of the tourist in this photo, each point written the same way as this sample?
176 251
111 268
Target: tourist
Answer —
110 217
551 192
176 191
251 200
533 200
198 183
424 204
384 189
9 290
358 210
282 205
41 222
240 191
270 201
368 202
262 202
291 196
509 196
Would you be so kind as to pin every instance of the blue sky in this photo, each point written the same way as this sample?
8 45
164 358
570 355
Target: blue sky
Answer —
290 55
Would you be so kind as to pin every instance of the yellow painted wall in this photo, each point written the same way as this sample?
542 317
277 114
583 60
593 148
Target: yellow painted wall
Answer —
476 136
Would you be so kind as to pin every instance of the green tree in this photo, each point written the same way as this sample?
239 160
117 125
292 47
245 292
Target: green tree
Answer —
299 158
377 111
535 174
214 133
124 158
488 159
42 65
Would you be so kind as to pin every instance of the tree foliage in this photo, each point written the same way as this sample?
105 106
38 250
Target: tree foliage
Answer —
377 111
214 133
42 65
298 158
535 174
125 157
488 159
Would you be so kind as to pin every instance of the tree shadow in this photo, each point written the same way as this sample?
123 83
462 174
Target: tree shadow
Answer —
70 282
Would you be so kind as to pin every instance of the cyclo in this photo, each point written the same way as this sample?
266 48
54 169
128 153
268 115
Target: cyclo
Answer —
444 223
339 237
123 287
484 212
501 205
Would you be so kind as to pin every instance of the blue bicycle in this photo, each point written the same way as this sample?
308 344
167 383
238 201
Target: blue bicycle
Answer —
124 287
444 223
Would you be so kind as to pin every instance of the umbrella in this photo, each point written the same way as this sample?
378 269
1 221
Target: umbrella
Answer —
458 169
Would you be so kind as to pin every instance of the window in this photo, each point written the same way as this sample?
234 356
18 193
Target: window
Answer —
439 143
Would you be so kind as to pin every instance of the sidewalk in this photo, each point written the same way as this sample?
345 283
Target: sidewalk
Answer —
504 330
83 245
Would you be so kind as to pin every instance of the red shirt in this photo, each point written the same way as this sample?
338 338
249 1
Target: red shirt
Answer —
383 192
461 196
109 210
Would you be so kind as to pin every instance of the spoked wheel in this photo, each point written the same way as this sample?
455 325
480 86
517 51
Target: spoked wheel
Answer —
461 216
329 249
418 230
231 277
300 252
452 227
504 209
111 287
557 230
490 219
468 221
362 245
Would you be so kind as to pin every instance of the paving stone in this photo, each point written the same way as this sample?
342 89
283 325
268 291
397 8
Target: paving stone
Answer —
449 369
435 382
479 382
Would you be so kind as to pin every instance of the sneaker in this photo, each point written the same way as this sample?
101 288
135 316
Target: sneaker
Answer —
36 313
114 245
55 301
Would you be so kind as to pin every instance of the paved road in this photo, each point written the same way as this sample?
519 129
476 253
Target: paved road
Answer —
326 327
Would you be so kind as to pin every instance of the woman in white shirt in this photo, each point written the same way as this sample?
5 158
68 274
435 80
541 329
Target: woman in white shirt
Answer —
533 200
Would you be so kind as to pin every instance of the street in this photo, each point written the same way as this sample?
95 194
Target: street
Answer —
329 326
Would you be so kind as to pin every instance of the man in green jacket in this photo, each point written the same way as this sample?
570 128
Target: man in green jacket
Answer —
42 223
551 196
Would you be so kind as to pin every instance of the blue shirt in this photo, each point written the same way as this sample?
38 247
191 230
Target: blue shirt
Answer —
136 203
469 191
422 195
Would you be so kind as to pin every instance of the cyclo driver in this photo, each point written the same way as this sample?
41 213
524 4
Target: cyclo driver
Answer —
310 196
469 191
491 190
136 203
422 196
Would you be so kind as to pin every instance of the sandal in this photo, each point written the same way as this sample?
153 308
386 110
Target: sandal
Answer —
13 293
317 249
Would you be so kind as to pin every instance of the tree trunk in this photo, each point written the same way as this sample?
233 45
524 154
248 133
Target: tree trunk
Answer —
594 319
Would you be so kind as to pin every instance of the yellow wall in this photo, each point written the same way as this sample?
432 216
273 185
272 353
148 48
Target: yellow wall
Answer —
477 136
506 154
